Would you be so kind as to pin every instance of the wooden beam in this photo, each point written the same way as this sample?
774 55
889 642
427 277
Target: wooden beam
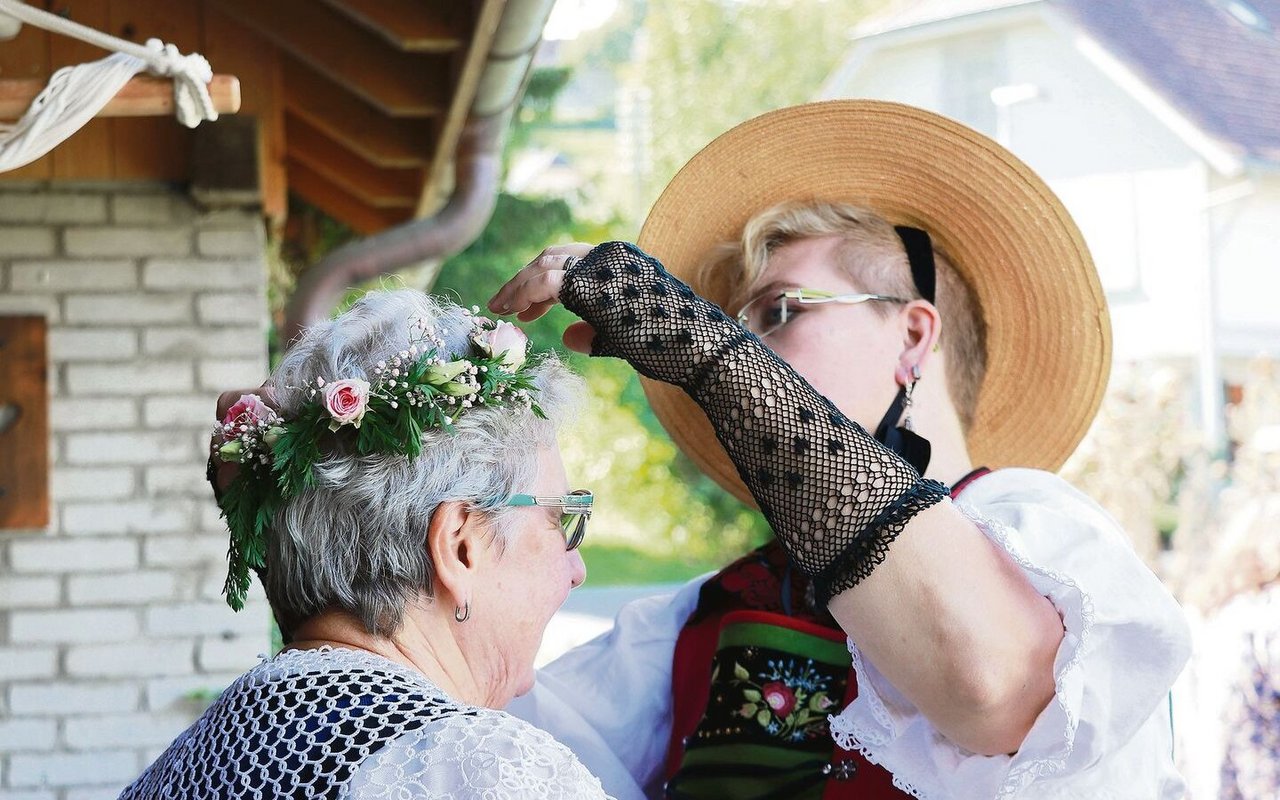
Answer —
374 186
375 137
256 61
339 204
153 148
91 152
464 94
143 96
418 26
398 83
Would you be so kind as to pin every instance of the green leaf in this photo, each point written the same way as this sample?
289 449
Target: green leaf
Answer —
751 694
740 672
764 716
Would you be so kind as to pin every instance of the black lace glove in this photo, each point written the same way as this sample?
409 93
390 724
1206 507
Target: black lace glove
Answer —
834 496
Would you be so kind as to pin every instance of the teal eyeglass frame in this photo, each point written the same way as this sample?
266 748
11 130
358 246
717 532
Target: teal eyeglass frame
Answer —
575 510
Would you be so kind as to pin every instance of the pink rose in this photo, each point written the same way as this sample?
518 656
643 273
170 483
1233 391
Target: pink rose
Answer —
503 341
346 401
247 410
779 697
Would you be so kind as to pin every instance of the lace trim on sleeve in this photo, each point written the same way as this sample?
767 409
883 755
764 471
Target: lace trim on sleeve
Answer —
873 737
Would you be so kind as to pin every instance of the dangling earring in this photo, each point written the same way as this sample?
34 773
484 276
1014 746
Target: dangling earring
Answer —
462 614
909 390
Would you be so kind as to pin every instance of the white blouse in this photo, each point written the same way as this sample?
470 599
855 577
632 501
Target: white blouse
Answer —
1105 735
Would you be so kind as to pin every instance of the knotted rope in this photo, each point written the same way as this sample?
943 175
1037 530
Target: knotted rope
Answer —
75 95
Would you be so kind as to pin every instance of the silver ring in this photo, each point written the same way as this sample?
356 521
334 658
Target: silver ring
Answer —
568 262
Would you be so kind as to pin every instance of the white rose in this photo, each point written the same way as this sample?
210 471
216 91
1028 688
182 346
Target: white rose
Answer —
505 342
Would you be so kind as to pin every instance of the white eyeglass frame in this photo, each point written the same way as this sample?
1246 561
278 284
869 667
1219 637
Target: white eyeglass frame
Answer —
807 297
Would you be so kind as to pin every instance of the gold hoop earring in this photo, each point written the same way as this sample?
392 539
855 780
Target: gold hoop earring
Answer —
462 614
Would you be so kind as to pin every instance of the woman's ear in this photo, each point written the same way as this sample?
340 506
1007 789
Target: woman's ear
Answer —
457 547
923 327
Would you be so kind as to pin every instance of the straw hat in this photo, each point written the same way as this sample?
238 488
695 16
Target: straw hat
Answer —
1048 332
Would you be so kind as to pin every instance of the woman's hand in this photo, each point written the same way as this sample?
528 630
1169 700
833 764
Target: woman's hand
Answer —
220 473
536 288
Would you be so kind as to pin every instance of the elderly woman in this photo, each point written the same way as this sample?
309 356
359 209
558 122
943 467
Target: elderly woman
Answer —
406 507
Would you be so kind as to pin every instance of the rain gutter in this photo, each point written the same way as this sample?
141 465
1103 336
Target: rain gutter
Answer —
477 170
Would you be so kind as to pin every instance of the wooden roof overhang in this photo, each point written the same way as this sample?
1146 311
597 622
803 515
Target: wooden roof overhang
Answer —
360 104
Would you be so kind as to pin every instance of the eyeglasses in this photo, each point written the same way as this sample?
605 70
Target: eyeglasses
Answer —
575 510
768 312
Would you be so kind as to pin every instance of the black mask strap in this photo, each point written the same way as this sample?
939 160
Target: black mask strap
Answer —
914 448
920 255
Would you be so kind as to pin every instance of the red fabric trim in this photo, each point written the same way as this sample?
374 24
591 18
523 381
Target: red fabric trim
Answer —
964 482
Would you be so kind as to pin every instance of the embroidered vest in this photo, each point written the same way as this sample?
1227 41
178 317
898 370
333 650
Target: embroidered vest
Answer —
757 670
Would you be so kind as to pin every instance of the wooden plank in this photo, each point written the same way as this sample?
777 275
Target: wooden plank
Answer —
417 26
464 94
377 138
341 205
374 186
25 57
24 423
90 151
398 83
235 48
143 96
155 147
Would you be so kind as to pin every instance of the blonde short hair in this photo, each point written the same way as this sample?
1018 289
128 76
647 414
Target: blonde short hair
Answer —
873 256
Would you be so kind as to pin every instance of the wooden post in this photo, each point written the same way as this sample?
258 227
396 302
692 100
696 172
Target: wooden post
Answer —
24 423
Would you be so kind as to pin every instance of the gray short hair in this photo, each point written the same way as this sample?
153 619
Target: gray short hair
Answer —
357 541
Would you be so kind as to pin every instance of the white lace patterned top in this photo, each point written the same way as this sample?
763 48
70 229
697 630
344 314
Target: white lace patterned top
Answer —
338 723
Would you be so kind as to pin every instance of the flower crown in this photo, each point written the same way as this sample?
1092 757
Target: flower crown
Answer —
415 391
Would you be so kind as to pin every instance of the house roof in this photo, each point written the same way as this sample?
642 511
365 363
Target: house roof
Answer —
1216 61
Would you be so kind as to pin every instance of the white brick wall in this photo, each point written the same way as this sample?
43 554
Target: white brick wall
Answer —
111 627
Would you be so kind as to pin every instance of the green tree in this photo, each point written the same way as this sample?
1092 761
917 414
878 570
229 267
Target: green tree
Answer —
710 64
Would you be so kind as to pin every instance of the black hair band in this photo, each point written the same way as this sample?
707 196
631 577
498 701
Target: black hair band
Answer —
920 256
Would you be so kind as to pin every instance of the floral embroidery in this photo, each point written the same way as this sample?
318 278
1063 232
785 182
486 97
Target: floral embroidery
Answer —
792 703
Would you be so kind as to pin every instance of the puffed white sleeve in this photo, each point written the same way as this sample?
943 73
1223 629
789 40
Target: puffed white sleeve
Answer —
609 700
480 753
1106 733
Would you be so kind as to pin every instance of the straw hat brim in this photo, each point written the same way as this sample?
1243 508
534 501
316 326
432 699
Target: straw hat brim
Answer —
1048 333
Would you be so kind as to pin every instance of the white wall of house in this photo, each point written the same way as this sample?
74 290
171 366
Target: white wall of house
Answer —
1138 189
1246 256
111 619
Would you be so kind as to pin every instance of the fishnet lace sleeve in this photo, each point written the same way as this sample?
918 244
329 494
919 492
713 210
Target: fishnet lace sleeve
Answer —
835 496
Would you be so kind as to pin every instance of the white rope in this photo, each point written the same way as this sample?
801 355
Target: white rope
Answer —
75 95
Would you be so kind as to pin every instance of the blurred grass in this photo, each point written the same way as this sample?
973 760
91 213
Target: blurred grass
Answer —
620 565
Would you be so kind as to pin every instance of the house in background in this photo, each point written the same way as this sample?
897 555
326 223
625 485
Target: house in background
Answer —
1158 124
133 275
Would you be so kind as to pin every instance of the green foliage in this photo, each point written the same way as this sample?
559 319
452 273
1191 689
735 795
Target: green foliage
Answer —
612 564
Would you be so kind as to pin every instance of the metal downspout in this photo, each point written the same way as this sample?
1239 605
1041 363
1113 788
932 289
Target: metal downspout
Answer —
449 231
478 171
